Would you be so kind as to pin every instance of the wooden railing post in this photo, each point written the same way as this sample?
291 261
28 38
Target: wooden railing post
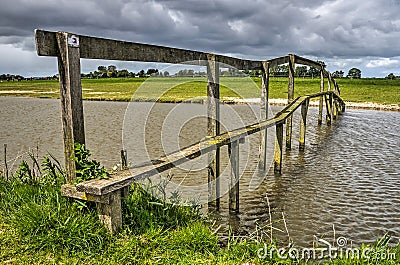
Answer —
321 98
328 103
233 150
328 108
303 125
69 69
213 129
329 81
290 99
264 116
278 148
334 104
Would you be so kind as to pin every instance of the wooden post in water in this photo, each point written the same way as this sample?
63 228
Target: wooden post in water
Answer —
69 69
321 98
213 129
328 103
233 150
264 116
278 148
124 159
334 104
290 99
303 125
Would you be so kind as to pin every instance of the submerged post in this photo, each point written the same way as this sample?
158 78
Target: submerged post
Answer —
328 102
321 98
290 99
278 148
69 69
213 129
124 159
334 103
303 125
233 150
264 116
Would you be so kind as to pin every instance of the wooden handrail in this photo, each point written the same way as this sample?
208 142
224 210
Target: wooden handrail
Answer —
124 178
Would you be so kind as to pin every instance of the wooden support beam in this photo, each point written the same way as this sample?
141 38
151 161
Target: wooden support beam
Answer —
303 125
278 148
305 61
328 102
278 61
290 99
321 98
107 49
213 129
111 214
343 107
329 81
262 165
233 150
334 109
69 69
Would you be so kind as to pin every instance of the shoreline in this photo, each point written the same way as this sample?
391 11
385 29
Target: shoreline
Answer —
314 103
252 101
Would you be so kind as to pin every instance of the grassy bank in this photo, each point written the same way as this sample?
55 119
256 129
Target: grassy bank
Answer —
39 226
382 91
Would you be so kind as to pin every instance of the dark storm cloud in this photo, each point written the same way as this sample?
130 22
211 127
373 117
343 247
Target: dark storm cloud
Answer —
251 29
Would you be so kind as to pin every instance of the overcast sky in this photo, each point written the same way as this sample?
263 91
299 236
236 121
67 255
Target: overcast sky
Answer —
342 33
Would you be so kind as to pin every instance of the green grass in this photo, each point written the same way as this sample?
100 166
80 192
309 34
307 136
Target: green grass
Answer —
381 91
39 226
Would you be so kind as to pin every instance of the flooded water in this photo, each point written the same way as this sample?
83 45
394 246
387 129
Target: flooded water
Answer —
346 182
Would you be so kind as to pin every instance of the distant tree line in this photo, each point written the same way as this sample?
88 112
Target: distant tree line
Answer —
8 77
111 71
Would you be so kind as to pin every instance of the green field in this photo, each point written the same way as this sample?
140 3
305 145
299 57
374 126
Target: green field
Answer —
382 91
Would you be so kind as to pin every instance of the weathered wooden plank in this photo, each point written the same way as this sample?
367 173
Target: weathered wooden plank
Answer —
71 98
110 214
69 190
290 99
107 49
303 125
46 43
233 150
278 61
305 61
213 129
278 149
264 116
321 98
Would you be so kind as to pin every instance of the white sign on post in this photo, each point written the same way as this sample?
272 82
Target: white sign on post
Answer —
73 41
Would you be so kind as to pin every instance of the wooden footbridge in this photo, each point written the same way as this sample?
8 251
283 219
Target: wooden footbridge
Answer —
107 193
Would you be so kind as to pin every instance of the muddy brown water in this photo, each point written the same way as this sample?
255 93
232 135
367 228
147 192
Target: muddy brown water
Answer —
345 183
